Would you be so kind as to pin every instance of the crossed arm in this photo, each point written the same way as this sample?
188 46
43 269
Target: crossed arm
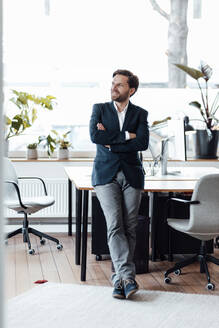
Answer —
102 128
116 139
102 136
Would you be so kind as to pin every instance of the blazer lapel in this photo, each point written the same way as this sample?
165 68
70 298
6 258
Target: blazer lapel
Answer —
128 116
114 116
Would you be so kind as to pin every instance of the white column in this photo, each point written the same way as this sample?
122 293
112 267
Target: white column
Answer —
2 248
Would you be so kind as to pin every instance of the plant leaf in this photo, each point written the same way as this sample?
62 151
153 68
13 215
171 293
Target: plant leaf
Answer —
55 132
17 123
194 73
41 138
14 101
15 92
195 104
198 105
22 98
206 70
34 114
8 120
65 134
161 121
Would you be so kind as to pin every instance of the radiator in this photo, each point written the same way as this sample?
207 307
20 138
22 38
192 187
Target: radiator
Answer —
58 188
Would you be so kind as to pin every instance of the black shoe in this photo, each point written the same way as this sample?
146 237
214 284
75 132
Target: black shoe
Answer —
118 291
130 287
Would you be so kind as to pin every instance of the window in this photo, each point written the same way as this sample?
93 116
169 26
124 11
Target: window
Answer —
70 49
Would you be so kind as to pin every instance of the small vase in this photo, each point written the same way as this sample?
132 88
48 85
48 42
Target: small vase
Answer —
32 154
63 153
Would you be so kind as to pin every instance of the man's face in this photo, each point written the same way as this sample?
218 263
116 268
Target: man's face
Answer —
120 90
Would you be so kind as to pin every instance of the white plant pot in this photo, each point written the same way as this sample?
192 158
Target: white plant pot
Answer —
32 154
63 153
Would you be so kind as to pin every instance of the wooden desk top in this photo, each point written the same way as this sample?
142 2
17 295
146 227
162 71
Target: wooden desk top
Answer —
184 182
80 176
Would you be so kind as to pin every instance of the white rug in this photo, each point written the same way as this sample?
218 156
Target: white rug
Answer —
67 306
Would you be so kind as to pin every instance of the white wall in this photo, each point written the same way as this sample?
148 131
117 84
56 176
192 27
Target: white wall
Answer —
45 169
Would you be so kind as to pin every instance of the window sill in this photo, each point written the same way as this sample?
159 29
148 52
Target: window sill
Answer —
91 159
73 159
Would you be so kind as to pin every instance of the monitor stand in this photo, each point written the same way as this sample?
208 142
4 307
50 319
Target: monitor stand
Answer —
164 158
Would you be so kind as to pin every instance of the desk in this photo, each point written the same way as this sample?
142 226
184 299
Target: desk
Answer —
81 178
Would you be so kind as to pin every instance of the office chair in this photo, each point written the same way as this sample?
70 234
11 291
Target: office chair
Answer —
216 244
203 224
16 202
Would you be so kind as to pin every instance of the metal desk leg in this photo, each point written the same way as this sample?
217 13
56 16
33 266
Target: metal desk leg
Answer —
84 235
69 207
153 204
157 245
78 226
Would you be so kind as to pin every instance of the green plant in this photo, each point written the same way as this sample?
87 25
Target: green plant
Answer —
62 140
161 121
27 105
207 112
48 142
32 146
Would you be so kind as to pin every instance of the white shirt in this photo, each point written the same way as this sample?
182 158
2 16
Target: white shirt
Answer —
121 117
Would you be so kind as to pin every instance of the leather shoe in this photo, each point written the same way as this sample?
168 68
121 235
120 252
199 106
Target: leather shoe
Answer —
118 291
130 287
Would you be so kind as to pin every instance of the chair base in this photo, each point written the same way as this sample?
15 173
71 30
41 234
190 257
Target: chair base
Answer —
25 232
202 258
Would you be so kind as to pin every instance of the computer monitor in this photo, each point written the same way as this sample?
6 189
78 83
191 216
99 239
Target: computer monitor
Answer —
167 141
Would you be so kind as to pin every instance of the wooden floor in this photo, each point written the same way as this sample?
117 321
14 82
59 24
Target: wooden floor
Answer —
22 269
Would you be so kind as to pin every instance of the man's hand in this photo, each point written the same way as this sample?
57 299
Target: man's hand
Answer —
100 127
132 135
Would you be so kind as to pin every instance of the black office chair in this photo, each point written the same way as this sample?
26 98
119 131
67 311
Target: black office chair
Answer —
14 201
203 224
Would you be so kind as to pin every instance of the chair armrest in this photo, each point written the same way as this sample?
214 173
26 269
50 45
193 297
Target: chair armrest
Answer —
179 200
186 202
18 192
36 178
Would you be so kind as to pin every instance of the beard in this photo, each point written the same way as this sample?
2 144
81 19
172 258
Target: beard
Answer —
116 96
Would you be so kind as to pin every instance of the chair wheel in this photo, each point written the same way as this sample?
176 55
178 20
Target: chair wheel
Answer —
177 272
98 258
167 280
42 241
210 286
31 251
59 247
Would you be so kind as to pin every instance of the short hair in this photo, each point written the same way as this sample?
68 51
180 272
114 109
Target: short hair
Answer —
133 80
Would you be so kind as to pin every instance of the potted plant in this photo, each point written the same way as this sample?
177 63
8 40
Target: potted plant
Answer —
32 151
206 140
28 106
64 145
49 142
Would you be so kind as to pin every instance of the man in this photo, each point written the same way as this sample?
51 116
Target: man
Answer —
120 130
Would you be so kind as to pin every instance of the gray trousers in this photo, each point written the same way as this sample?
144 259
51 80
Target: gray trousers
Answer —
120 204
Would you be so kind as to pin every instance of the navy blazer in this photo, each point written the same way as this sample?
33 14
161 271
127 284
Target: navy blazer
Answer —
123 153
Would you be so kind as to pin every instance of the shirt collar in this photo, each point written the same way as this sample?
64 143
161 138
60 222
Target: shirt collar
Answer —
124 110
